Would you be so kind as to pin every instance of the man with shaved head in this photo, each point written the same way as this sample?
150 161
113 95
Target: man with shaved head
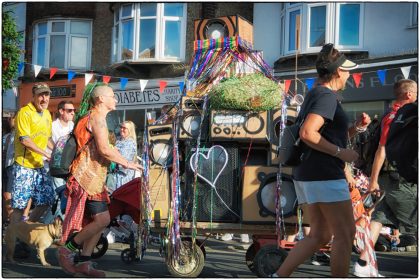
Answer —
87 193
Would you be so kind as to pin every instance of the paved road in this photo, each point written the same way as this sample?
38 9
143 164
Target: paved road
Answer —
224 260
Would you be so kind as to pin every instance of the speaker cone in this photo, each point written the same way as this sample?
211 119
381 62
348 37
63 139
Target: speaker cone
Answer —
161 152
267 193
191 124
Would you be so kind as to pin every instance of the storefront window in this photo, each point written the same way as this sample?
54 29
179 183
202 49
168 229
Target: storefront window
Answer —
354 109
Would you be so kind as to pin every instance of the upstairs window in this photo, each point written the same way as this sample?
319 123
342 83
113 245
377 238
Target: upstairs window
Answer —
320 23
63 43
149 32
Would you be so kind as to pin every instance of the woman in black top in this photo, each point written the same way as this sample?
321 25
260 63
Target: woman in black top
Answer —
320 180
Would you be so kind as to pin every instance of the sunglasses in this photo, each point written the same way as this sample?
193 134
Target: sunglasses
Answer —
70 110
123 127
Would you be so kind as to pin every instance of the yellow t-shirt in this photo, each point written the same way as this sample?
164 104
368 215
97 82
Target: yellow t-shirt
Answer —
36 126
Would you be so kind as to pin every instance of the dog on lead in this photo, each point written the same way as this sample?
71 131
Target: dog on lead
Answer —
37 235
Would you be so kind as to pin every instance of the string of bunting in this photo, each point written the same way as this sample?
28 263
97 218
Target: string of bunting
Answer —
88 77
216 51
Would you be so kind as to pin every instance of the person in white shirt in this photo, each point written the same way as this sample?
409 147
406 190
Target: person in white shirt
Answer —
62 126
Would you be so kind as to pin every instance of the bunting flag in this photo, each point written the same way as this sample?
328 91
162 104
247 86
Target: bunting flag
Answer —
70 75
287 85
88 77
162 86
20 66
143 84
52 72
406 71
106 79
181 86
310 83
357 77
37 68
381 76
123 83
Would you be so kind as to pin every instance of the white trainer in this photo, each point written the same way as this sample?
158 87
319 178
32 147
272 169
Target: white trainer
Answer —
363 271
227 237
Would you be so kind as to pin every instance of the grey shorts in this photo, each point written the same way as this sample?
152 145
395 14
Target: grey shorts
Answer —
322 191
399 207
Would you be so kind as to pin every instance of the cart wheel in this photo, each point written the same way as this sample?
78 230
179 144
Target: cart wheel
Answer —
127 256
249 257
100 249
188 265
268 259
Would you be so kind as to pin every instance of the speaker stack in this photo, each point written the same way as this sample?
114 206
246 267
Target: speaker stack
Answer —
240 126
159 195
190 124
274 130
160 144
221 27
209 205
259 192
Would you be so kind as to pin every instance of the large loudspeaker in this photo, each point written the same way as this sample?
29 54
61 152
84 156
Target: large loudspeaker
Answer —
192 114
241 126
160 144
227 26
258 195
159 195
209 205
274 130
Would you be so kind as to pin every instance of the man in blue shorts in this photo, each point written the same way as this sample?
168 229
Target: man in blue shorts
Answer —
33 135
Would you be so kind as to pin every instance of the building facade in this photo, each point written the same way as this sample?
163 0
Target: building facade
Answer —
378 36
135 41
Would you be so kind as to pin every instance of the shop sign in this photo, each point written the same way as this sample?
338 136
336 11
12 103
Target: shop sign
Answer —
149 96
63 91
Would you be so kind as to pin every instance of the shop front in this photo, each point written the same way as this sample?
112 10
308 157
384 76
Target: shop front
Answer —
372 95
134 104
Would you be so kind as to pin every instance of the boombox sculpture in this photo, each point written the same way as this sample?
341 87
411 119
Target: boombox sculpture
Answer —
232 177
234 192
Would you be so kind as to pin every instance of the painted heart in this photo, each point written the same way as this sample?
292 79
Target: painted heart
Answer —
210 166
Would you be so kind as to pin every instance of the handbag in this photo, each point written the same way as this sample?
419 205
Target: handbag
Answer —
110 182
291 150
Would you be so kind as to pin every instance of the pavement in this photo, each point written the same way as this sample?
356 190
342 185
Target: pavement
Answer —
224 259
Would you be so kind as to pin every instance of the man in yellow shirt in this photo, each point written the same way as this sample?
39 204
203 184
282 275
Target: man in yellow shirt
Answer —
33 135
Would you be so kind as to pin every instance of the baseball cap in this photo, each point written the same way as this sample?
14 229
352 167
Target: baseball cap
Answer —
39 88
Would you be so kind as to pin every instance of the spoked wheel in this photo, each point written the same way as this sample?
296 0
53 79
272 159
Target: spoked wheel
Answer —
101 247
249 257
188 264
127 256
268 259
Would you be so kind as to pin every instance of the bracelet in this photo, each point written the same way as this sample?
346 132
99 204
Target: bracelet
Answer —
359 129
337 152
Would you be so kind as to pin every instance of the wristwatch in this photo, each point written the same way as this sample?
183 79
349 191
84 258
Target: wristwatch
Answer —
338 151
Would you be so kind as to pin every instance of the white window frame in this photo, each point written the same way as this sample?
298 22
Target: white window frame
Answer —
68 35
332 27
289 10
160 35
308 29
414 17
337 24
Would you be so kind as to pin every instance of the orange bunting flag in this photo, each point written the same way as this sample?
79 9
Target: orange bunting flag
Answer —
52 72
287 85
357 77
162 85
106 79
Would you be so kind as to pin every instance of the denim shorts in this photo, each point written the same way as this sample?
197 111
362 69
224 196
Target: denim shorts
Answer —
31 183
322 191
94 207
